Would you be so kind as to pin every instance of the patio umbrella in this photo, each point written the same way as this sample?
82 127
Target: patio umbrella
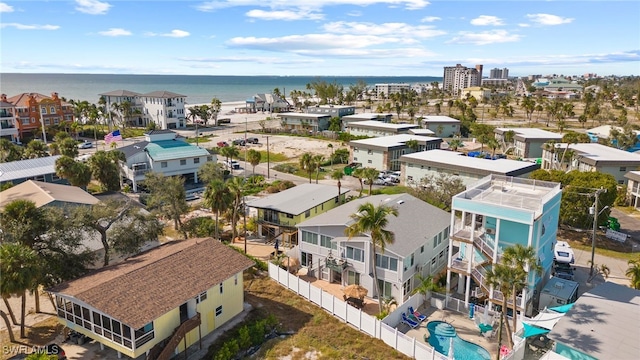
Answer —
355 291
292 263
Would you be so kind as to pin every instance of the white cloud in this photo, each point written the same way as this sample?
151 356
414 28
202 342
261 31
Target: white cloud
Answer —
548 19
307 4
485 20
92 7
5 8
524 25
485 37
115 32
354 13
177 34
430 19
253 59
287 15
407 32
30 27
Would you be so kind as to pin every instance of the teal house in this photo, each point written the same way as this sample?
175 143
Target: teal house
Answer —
491 215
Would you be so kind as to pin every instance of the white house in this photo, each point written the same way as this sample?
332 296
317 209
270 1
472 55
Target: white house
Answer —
164 108
163 152
420 247
442 126
304 122
418 165
383 153
527 142
8 116
633 188
332 110
267 102
384 90
348 119
377 128
591 157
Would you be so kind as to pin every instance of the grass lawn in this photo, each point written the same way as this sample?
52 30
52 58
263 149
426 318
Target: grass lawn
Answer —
201 139
273 157
387 190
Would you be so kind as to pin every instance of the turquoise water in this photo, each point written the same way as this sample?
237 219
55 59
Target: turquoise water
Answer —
440 334
197 88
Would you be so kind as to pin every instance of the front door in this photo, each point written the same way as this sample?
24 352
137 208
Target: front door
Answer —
184 314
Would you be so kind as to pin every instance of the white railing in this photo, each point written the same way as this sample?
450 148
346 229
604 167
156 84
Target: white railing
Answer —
362 321
484 246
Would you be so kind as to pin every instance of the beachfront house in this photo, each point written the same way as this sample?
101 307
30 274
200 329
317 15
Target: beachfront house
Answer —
527 142
279 213
417 166
35 112
591 157
163 108
40 169
267 102
376 128
159 302
442 126
163 152
44 194
491 215
348 119
115 100
300 122
420 247
383 153
8 118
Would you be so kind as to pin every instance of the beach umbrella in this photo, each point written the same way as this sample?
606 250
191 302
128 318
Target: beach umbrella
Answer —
355 291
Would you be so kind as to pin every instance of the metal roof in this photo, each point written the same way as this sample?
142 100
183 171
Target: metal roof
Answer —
298 199
603 323
173 149
439 119
382 125
392 141
22 169
417 221
531 133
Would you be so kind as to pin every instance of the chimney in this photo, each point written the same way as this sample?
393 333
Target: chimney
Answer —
3 97
54 95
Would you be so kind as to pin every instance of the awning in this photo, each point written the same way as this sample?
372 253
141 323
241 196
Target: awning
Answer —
530 330
562 309
544 320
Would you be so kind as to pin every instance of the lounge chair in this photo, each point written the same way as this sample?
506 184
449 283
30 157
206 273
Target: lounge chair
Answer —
417 315
412 324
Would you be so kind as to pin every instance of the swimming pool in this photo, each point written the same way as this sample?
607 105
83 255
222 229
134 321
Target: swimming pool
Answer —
440 334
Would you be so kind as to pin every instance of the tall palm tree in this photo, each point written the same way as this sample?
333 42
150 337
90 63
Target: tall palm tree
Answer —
217 197
317 161
338 174
633 272
412 144
524 261
502 277
254 157
455 143
370 175
306 163
215 107
492 144
372 220
358 174
236 187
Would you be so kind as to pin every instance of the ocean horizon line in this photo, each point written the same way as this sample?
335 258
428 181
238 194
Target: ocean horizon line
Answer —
232 75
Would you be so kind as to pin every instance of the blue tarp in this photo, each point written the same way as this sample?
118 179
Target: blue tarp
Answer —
530 330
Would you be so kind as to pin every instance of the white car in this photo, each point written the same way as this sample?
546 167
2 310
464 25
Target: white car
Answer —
233 164
563 253
85 145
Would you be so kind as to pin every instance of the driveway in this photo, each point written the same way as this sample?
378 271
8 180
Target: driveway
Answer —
629 224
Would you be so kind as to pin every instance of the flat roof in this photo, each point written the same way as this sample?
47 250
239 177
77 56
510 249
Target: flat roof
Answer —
29 168
439 118
392 141
604 323
446 159
298 199
173 149
507 191
304 115
592 153
367 116
421 132
147 286
531 133
383 125
633 175
604 131
43 193
410 227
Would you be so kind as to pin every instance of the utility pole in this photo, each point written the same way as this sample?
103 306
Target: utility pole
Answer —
595 227
244 203
267 156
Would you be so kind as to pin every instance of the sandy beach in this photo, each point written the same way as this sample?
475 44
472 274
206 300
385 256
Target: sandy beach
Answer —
229 110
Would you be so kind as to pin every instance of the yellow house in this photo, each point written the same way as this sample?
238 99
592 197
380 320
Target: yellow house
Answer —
278 214
477 92
159 302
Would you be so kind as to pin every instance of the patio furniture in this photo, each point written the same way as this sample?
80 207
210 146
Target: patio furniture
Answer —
412 324
417 315
353 301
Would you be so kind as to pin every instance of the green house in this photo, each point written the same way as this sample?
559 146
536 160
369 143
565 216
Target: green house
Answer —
278 214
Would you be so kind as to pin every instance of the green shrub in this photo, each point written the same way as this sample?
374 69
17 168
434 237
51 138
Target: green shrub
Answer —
286 168
244 337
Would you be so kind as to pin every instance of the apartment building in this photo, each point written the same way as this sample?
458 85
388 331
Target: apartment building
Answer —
496 73
383 153
377 128
527 142
384 90
164 108
32 110
8 128
459 77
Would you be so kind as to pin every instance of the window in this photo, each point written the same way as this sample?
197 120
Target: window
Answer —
355 159
33 120
412 259
325 241
307 213
202 297
369 161
183 162
52 110
406 287
220 288
309 237
289 216
386 262
43 110
421 249
25 121
235 280
336 200
307 259
385 288
219 310
163 164
370 152
623 168
196 160
353 278
355 254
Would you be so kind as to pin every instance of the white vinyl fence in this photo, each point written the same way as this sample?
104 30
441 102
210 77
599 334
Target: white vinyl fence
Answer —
356 317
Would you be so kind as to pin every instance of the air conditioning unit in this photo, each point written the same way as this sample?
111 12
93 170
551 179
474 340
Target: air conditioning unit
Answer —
491 231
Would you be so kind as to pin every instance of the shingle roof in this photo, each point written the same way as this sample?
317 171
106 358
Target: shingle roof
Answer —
298 199
147 286
173 149
121 93
28 168
133 149
163 94
416 223
21 99
43 193
603 323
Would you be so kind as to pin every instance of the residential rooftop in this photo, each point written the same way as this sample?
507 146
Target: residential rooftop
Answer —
29 168
604 131
382 125
416 220
439 119
163 94
298 199
531 133
592 153
121 93
147 286
303 115
457 160
366 116
633 175
392 141
173 149
604 323
43 193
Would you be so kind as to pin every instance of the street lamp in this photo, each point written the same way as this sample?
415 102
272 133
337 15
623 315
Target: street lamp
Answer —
594 211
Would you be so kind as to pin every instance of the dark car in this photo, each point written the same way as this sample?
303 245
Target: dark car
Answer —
253 140
239 142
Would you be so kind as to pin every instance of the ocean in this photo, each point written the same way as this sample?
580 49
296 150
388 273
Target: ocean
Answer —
198 88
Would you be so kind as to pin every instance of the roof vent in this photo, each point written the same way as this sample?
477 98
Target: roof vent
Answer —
400 202
558 285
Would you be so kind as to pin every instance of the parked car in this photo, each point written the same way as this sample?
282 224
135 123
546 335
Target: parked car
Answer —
253 140
222 144
379 181
239 142
233 164
563 253
85 145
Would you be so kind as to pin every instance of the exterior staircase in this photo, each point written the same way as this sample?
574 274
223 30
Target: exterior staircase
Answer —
164 350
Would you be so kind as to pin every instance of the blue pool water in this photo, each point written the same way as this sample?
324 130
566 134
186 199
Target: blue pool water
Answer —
440 334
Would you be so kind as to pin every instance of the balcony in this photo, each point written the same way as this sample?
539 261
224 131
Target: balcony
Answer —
6 114
7 125
459 265
276 221
465 233
338 265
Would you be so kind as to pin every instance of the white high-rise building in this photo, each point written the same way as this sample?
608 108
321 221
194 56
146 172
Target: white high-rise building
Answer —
499 73
460 77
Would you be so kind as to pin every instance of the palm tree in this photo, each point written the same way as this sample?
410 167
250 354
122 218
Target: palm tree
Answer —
425 285
306 163
412 144
524 261
358 174
492 144
36 149
236 187
502 277
20 269
218 197
317 161
77 173
633 273
373 220
216 105
254 157
338 174
370 175
455 143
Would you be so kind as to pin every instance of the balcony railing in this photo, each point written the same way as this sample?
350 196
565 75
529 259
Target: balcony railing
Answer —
484 246
458 264
289 223
6 114
6 125
178 334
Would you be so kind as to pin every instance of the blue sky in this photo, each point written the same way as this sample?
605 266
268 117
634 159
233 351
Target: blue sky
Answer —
319 37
